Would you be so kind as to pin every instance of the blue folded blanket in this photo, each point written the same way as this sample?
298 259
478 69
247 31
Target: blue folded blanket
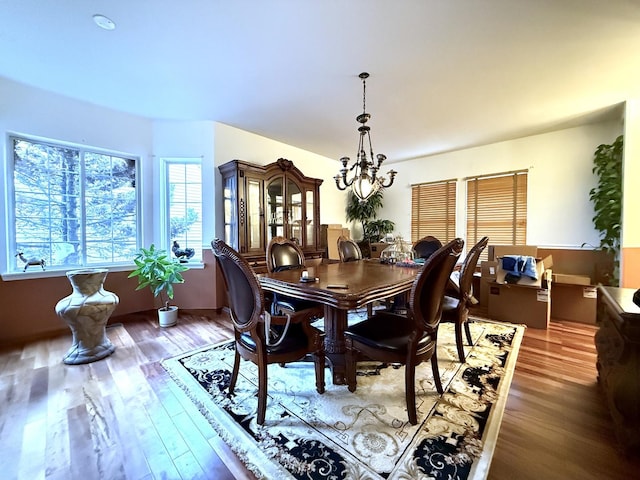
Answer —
517 266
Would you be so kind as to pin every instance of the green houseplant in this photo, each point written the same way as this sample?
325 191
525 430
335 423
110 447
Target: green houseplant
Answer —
366 212
158 271
606 197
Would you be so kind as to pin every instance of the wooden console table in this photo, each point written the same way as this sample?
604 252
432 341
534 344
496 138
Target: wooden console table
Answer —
618 345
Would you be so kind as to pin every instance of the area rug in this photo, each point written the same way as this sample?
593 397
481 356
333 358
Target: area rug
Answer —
365 434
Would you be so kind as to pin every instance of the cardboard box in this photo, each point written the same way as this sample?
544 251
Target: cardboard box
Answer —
529 300
571 279
333 232
598 265
488 271
377 248
543 273
520 304
576 303
495 251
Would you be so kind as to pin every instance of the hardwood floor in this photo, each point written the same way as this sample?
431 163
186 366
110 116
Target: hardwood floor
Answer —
122 418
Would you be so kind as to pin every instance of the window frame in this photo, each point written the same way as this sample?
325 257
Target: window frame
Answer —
12 270
165 202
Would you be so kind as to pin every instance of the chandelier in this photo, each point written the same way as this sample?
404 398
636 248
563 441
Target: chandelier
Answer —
365 180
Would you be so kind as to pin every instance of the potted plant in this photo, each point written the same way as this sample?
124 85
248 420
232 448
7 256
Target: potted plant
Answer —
158 271
366 212
607 199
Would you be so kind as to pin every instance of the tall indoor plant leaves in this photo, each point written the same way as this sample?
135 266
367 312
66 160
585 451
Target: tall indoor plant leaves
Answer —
606 197
366 213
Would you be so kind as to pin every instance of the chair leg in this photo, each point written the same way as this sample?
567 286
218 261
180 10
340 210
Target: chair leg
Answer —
410 392
468 332
262 390
234 373
459 342
319 363
436 373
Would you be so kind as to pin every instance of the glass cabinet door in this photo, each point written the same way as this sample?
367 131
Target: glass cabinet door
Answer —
309 215
230 214
254 217
275 214
295 211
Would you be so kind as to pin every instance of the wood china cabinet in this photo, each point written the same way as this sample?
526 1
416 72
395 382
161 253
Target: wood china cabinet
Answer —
264 201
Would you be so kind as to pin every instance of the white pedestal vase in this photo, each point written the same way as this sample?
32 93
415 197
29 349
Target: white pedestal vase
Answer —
86 312
168 317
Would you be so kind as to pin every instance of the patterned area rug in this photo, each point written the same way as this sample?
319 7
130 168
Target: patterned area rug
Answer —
365 434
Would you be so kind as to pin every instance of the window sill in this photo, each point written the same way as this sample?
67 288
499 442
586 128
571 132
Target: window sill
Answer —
36 274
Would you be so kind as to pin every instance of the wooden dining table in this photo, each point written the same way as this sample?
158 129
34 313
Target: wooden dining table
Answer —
361 282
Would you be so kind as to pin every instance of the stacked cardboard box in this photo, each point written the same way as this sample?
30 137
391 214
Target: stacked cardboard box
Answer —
577 271
529 300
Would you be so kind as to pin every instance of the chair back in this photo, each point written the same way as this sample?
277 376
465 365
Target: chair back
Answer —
426 246
283 254
468 269
348 250
425 299
244 293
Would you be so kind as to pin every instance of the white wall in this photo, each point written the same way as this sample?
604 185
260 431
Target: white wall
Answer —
30 111
560 177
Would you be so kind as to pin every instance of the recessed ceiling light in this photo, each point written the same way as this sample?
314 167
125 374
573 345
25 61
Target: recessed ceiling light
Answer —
104 22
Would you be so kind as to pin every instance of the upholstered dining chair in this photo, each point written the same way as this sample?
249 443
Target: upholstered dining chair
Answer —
425 247
455 305
285 254
348 250
408 339
256 339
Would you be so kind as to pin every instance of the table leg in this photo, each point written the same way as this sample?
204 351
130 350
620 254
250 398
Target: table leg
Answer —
335 323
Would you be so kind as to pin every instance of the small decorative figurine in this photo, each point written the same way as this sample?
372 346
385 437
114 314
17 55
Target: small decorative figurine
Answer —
30 261
182 254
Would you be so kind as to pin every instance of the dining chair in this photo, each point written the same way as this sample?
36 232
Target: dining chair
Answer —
426 246
285 254
255 338
456 303
411 338
348 250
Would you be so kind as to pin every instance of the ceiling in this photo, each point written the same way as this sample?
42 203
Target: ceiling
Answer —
445 74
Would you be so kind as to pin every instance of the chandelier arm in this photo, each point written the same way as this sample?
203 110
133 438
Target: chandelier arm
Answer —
392 176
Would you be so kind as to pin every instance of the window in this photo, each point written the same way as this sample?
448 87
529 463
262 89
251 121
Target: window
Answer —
497 208
72 206
183 202
433 210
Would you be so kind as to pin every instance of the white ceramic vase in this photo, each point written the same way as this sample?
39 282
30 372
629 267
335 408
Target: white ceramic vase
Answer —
168 318
86 312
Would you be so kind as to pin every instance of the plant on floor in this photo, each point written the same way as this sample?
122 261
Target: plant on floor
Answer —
606 197
158 271
366 213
